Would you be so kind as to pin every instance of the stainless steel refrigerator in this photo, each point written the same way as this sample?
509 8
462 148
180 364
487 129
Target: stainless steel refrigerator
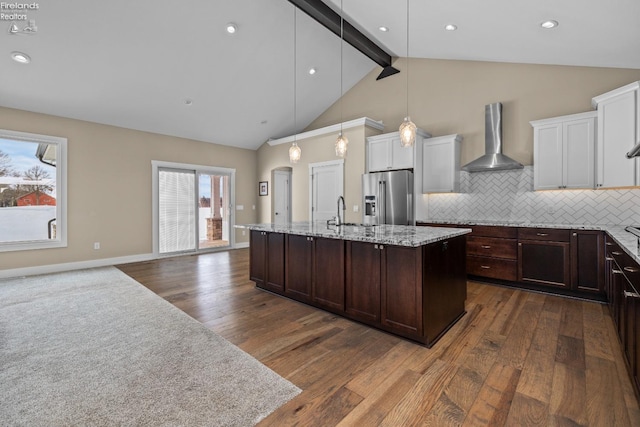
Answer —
388 198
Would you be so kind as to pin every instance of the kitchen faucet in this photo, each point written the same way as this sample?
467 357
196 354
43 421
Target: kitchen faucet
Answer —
344 208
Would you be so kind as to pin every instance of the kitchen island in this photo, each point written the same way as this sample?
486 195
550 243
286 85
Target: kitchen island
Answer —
409 281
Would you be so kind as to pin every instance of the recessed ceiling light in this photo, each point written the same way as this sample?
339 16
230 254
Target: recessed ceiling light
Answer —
188 101
264 122
450 27
312 71
231 28
20 57
383 29
549 24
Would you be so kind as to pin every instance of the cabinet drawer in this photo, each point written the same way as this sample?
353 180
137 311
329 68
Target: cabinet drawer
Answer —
549 234
504 269
492 247
494 231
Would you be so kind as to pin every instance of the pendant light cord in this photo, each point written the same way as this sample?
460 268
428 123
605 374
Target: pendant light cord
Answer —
295 44
407 59
341 59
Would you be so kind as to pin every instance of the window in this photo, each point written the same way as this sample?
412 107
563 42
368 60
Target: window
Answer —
32 191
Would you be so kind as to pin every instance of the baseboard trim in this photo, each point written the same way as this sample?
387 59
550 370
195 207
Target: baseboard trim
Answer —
242 245
57 268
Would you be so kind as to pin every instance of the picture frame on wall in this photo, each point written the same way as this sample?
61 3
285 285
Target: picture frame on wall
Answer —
263 188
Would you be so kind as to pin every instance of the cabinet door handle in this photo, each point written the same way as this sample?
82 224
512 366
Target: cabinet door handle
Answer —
381 247
608 258
631 269
375 246
631 295
616 253
542 234
609 244
485 247
616 271
486 267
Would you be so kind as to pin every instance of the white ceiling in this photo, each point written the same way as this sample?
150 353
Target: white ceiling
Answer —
133 64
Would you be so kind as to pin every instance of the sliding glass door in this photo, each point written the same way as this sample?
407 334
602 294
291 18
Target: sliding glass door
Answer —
192 209
213 211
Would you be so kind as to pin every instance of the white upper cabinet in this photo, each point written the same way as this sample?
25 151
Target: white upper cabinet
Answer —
564 152
384 152
618 131
441 164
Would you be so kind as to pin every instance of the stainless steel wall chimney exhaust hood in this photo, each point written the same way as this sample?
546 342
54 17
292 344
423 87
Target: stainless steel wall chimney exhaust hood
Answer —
493 159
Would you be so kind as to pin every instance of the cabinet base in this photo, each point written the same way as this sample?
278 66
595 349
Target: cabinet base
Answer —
567 293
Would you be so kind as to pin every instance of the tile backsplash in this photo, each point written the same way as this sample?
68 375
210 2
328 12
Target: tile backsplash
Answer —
508 196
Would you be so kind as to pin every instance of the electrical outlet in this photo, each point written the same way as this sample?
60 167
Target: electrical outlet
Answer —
244 232
96 245
551 210
356 208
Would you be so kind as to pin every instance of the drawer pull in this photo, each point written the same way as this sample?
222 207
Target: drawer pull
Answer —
616 253
608 258
631 295
485 247
616 271
486 267
609 244
631 269
542 234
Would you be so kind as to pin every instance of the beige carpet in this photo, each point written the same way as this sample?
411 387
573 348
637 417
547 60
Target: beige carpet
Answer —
96 348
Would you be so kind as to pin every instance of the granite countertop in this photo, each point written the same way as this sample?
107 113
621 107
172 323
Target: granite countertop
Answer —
627 241
399 235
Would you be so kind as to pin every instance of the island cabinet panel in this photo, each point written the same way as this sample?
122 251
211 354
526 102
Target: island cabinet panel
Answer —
363 281
267 253
328 286
444 286
299 274
401 289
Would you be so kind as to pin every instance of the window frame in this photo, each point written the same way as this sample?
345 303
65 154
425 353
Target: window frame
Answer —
61 192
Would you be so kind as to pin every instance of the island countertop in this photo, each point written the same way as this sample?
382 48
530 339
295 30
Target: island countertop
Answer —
399 235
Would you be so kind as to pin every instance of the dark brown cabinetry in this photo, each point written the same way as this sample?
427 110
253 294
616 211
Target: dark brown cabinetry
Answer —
315 271
623 286
401 289
587 261
568 262
267 260
493 252
544 257
299 263
414 292
363 279
328 289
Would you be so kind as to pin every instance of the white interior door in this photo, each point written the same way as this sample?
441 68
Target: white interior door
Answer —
281 197
327 184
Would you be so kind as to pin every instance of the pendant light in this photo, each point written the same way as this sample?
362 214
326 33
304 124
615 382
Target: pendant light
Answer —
294 151
407 128
342 141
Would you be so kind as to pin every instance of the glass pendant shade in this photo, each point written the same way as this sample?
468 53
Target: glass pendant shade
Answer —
341 145
407 132
294 153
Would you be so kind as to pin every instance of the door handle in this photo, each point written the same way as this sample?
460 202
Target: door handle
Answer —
630 295
486 267
542 234
485 247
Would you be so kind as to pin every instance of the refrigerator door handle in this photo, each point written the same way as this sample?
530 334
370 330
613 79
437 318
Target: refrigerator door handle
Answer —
382 192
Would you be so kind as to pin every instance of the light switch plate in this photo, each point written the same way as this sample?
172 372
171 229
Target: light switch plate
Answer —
356 208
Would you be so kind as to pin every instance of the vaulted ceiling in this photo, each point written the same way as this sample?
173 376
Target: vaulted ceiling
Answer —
171 67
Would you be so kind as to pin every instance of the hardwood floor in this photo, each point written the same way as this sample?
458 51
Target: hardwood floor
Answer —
516 358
